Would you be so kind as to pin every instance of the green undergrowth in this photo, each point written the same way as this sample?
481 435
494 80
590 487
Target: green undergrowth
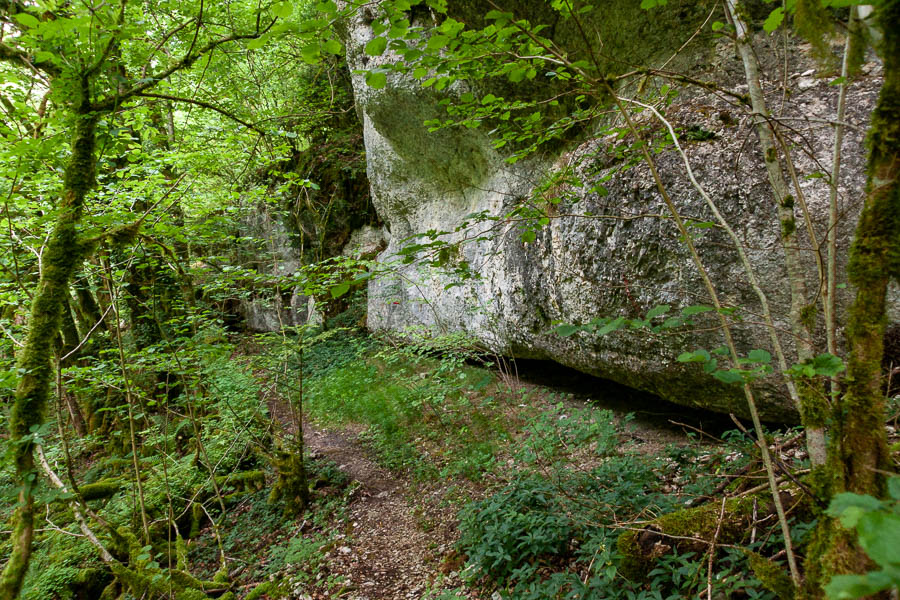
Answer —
264 546
546 486
552 530
564 483
204 445
432 409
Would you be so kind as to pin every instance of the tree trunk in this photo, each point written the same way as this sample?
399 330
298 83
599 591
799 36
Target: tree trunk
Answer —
858 456
874 261
86 308
62 257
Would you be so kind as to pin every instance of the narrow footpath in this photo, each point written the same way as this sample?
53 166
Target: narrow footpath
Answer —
399 541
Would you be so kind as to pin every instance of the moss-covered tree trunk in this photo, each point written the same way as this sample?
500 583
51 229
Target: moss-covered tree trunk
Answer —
62 257
874 261
859 455
86 308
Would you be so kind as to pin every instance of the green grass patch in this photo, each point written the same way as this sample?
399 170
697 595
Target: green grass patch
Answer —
424 407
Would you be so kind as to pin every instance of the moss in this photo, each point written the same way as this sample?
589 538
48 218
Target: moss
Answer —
245 481
632 566
788 201
149 584
874 260
808 316
181 553
814 23
788 227
664 535
832 551
858 455
291 486
111 591
142 577
101 489
270 589
813 405
197 516
772 575
60 260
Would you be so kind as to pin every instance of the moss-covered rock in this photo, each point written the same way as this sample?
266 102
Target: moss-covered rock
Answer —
105 488
693 530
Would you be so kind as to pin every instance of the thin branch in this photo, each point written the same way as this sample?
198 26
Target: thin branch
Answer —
88 335
16 56
76 510
203 104
186 62
162 42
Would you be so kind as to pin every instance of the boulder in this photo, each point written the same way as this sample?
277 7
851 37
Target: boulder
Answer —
611 248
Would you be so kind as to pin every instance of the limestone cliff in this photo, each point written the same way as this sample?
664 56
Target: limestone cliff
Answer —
611 251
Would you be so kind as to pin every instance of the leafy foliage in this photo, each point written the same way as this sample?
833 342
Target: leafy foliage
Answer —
877 523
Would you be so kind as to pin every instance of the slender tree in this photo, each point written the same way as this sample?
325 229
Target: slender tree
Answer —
89 78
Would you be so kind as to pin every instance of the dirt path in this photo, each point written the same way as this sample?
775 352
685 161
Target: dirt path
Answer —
398 542
399 535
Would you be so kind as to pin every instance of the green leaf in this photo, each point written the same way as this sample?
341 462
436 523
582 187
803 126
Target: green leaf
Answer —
257 43
27 20
283 10
849 507
613 325
310 53
730 376
856 586
828 365
376 46
333 46
376 79
328 7
687 311
774 21
696 356
566 329
517 75
399 30
42 56
340 289
672 322
658 310
879 535
759 356
894 487
436 42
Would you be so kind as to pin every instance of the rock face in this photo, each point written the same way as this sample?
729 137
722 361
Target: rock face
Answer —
606 252
266 310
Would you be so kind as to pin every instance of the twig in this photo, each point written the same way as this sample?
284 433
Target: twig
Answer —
76 510
755 516
712 551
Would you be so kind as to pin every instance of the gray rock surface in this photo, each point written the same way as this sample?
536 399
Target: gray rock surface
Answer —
265 310
603 254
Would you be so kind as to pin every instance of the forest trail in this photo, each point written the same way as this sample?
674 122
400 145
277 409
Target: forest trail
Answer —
398 535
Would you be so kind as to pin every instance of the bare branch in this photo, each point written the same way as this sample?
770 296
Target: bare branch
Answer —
203 104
